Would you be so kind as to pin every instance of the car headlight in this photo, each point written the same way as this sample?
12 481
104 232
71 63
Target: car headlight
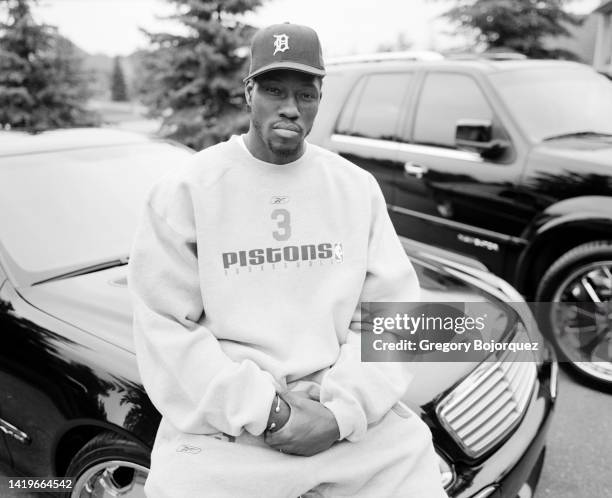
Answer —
447 474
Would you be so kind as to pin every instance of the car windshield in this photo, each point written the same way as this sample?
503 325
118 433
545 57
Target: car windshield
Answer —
70 208
555 102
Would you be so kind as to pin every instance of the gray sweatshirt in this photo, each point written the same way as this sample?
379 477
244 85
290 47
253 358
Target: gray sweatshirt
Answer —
246 277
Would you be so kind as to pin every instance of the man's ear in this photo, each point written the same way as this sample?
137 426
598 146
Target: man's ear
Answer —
248 92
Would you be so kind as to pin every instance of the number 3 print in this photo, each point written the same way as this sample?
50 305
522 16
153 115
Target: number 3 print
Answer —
283 220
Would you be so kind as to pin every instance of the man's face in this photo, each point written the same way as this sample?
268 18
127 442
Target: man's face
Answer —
283 105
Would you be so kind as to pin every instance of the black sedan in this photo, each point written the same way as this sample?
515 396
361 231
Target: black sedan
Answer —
71 401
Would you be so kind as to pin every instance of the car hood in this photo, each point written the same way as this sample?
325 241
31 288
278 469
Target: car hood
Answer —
593 150
100 304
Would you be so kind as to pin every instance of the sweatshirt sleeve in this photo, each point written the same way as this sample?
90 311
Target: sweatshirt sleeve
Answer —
360 393
184 370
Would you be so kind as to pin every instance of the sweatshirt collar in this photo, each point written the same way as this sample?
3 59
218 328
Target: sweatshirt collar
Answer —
239 140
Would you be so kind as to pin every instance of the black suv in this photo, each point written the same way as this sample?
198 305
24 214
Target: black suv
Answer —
508 162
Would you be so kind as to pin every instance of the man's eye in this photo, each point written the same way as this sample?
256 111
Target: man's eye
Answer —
273 90
308 96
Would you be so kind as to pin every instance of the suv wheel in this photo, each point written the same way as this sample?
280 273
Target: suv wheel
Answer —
109 466
575 309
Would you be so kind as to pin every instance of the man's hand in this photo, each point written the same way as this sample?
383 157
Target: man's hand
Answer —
311 428
278 418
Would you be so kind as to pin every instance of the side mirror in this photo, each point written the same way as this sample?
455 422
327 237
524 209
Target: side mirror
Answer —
477 135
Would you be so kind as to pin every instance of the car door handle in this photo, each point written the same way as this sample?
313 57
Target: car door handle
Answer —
11 430
413 169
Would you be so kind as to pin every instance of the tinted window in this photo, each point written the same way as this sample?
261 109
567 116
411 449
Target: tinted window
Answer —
444 100
557 100
345 121
374 107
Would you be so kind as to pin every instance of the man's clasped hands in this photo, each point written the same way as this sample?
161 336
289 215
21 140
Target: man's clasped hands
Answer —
300 425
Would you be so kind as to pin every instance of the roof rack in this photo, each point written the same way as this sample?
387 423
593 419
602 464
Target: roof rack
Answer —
490 56
406 55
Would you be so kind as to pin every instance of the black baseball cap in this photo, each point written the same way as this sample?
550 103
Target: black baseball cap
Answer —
286 46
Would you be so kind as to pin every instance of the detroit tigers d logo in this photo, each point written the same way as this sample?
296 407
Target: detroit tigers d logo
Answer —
281 43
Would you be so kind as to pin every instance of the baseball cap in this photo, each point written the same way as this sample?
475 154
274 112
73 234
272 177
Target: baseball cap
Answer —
286 46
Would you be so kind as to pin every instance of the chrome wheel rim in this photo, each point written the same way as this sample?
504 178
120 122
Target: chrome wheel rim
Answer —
110 479
581 319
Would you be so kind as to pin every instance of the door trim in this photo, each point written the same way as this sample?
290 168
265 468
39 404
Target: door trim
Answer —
431 150
364 142
460 227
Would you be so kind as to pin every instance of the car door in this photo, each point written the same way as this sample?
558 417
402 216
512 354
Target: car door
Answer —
4 454
40 381
367 129
452 198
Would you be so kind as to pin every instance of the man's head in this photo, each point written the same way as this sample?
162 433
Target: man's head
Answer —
283 90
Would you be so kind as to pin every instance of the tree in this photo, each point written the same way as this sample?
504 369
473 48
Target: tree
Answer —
194 81
42 85
118 87
519 25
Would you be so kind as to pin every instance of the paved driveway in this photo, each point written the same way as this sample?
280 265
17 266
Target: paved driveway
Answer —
579 449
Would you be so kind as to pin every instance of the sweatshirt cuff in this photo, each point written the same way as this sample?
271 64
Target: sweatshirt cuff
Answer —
260 423
345 418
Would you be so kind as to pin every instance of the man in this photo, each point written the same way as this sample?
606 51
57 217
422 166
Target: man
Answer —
246 273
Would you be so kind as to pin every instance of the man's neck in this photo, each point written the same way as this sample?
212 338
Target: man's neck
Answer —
260 150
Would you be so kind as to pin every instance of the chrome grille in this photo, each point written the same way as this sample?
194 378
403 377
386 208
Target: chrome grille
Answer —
489 403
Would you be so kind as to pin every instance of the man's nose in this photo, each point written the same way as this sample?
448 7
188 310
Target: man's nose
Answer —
289 108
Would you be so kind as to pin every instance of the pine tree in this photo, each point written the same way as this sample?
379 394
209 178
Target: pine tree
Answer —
194 81
118 87
519 25
42 85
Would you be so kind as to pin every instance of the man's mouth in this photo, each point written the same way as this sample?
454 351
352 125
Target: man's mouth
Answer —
284 133
287 130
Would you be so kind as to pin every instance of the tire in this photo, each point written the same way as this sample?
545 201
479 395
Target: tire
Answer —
582 335
109 460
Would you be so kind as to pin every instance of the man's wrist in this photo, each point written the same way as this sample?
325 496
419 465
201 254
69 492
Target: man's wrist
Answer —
279 414
344 417
333 421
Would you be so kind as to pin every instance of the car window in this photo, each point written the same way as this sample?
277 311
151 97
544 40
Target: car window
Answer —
556 100
444 99
374 106
345 120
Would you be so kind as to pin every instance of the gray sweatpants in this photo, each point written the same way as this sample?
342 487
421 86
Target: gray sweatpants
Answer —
395 459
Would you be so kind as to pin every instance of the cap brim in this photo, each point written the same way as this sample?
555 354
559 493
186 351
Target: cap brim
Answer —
294 66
